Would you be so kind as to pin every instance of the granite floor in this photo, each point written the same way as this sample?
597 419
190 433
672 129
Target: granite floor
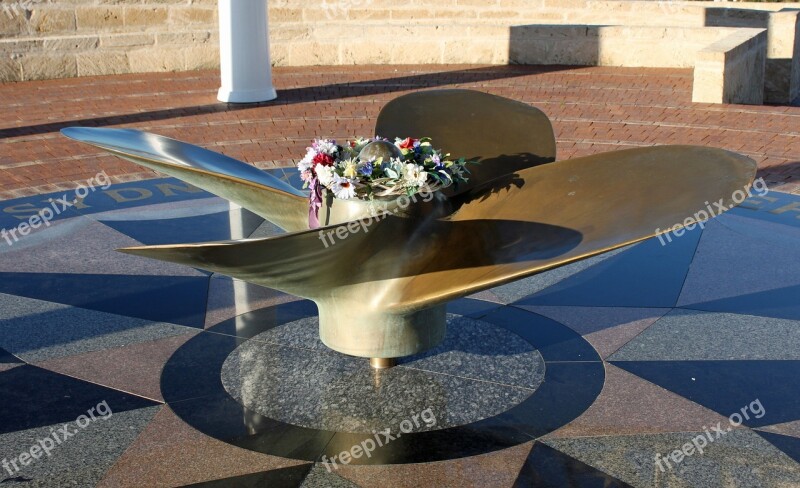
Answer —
119 371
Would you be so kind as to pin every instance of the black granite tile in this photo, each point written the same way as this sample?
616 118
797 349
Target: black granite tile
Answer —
8 358
787 444
291 477
768 390
568 390
549 468
646 275
174 299
554 341
201 228
191 385
194 369
32 397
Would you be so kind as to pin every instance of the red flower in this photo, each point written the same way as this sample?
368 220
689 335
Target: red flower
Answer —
408 143
323 159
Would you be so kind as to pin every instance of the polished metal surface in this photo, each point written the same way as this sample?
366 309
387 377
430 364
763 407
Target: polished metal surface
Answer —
502 135
382 363
229 178
381 284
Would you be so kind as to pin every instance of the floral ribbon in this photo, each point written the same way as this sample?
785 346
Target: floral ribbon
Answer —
314 203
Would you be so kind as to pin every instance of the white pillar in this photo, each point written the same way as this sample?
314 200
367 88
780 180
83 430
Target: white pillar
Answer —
244 52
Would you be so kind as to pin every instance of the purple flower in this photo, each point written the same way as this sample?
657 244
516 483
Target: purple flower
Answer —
366 169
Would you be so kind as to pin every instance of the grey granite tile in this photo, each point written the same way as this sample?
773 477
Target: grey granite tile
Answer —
321 477
684 335
606 328
472 349
81 245
740 458
479 350
516 290
266 229
35 330
335 392
7 366
745 266
80 460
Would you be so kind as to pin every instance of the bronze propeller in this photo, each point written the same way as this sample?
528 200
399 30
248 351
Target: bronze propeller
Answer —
381 289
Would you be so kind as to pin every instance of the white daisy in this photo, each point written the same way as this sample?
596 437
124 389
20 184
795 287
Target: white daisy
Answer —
326 146
415 174
344 188
307 162
325 174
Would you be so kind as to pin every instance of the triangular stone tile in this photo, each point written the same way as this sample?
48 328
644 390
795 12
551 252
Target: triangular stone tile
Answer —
760 392
171 453
80 460
135 369
290 477
320 477
498 468
38 330
738 458
548 468
762 282
606 328
787 428
173 299
646 275
630 405
518 289
787 444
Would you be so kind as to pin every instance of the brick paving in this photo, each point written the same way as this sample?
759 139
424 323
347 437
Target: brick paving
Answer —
593 109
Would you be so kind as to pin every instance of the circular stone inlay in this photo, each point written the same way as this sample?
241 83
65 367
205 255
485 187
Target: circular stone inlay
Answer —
479 371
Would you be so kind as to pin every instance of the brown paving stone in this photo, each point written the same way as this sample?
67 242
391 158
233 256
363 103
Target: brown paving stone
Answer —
135 369
498 469
788 428
630 405
594 109
606 328
171 453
